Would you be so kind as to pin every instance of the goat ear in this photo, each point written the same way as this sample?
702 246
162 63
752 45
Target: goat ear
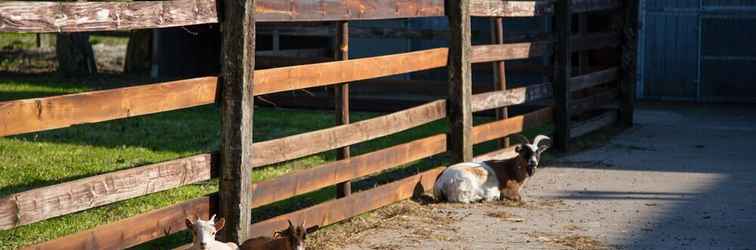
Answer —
518 148
219 224
188 223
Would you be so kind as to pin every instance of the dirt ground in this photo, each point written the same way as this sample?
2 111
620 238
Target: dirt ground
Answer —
683 178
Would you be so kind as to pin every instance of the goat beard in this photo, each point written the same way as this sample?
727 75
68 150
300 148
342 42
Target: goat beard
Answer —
531 171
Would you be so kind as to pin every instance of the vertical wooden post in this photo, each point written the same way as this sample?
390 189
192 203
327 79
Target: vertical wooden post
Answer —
459 112
342 100
500 75
562 69
629 62
238 25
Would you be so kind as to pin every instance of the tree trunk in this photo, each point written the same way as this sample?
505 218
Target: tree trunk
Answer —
139 52
75 55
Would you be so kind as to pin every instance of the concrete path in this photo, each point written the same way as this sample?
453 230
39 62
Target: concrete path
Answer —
683 178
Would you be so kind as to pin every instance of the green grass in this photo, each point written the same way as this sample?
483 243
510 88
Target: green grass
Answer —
45 158
17 40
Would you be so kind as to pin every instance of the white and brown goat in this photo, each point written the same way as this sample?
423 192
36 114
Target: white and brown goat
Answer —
290 239
203 234
490 180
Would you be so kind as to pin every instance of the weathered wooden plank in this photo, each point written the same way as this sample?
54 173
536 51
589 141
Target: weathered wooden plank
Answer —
499 129
134 230
509 97
321 74
580 6
333 10
340 209
500 52
562 23
459 112
601 121
101 16
593 41
312 179
292 147
342 101
30 115
592 102
237 105
499 8
104 16
594 79
82 194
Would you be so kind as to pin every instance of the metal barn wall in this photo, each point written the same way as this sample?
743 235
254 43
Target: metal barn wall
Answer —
698 50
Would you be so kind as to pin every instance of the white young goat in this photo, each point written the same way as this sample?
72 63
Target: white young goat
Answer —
486 181
203 234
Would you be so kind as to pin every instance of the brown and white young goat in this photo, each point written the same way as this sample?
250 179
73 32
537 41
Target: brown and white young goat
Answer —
203 234
486 181
290 239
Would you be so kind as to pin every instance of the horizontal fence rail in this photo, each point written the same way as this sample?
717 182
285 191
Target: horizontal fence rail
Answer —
499 8
102 16
601 100
594 79
38 114
308 180
135 230
509 97
275 80
21 16
605 119
296 146
501 52
69 197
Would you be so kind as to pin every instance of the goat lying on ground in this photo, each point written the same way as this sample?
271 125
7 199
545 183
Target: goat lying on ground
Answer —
203 234
475 181
290 239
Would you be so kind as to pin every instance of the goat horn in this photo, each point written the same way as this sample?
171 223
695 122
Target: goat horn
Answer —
291 224
522 138
538 140
212 219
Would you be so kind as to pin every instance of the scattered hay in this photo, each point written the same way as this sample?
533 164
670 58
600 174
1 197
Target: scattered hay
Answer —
581 242
573 241
572 227
500 214
403 215
504 215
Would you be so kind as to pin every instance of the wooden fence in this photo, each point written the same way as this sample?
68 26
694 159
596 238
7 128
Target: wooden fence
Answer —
607 90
